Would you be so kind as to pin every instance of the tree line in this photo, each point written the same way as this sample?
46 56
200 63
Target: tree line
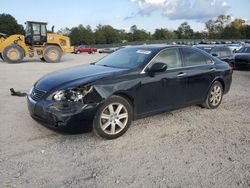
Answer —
223 27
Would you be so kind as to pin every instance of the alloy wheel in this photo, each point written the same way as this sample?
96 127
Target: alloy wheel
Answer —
216 95
114 118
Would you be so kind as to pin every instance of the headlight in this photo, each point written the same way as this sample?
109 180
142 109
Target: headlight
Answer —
59 96
71 95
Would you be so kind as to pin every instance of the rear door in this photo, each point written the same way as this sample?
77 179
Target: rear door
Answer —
200 70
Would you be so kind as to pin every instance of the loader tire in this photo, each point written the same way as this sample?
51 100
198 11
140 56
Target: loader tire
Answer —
1 56
52 54
13 54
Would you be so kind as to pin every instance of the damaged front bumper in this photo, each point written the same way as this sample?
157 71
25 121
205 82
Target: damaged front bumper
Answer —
61 114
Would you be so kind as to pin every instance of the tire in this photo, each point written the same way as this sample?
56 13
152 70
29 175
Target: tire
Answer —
1 56
231 64
113 125
13 54
52 54
214 96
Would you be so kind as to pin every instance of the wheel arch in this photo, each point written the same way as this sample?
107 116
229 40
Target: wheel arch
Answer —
129 98
219 79
53 44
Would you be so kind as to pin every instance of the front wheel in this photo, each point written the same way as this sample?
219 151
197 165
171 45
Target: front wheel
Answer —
52 54
13 54
113 118
214 96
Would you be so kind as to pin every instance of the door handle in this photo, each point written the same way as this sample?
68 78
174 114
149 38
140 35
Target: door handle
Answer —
212 69
180 74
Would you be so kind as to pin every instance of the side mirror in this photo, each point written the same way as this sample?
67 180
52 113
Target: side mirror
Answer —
157 67
215 55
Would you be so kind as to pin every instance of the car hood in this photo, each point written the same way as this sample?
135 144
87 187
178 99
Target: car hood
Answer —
75 75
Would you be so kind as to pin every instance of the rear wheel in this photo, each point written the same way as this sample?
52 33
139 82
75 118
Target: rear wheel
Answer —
214 96
113 118
52 54
1 56
231 64
13 54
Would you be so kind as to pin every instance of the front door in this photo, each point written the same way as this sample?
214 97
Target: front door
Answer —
164 90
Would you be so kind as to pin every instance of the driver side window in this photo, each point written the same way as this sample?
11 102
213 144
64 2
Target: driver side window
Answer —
171 57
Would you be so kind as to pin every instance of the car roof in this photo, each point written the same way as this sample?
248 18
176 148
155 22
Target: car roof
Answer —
155 46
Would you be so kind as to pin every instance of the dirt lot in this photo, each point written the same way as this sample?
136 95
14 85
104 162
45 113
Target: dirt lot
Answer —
191 147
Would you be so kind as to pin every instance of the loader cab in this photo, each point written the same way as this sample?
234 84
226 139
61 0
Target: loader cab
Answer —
35 33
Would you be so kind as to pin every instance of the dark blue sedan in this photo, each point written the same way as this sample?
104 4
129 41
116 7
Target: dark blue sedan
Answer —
130 83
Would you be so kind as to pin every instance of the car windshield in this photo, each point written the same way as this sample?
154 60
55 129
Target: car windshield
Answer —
127 58
244 50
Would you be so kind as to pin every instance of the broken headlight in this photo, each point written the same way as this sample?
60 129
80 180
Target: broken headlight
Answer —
71 95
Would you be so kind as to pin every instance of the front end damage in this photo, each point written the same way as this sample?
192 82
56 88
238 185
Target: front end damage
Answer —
64 107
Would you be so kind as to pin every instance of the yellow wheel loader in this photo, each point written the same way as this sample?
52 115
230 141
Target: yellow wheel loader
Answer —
37 42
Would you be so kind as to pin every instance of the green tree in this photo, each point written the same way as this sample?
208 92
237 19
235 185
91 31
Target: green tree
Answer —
212 29
133 28
106 34
75 36
231 32
184 31
81 35
245 31
216 27
238 23
138 34
162 34
9 25
64 31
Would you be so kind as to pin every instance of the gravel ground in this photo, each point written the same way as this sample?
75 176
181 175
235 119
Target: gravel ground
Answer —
190 147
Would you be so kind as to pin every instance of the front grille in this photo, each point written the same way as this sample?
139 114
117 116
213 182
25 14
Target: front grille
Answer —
37 94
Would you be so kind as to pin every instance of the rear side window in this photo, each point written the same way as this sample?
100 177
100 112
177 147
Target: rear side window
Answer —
193 57
244 50
225 52
221 51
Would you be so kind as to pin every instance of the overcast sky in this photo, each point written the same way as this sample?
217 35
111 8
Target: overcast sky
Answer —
121 14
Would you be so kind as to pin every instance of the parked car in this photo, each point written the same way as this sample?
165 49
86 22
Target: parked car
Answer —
106 50
220 51
130 83
242 58
235 47
83 48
